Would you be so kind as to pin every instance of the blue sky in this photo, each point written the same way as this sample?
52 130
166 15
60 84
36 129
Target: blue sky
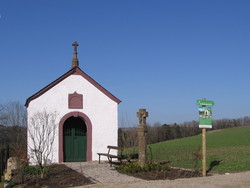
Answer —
158 55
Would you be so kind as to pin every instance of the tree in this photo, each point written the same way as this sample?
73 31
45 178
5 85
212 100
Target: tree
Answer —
41 134
13 133
2 114
15 114
176 131
168 132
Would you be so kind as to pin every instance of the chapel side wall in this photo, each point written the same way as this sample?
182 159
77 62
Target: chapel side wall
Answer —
101 110
105 132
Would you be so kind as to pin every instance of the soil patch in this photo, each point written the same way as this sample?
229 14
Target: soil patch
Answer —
59 175
171 174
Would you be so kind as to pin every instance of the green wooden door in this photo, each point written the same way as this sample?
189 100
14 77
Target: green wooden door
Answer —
75 140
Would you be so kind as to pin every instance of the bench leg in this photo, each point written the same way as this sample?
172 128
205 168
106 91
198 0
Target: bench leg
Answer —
99 158
110 162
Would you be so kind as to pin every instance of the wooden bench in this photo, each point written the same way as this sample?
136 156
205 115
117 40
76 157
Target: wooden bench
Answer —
111 156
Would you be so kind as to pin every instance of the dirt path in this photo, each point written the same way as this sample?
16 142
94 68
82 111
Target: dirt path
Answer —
106 177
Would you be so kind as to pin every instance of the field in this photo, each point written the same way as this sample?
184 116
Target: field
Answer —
228 150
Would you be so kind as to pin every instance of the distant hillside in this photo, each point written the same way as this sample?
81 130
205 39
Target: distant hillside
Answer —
127 137
231 146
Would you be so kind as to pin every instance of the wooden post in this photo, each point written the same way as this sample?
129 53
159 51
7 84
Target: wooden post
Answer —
204 152
204 161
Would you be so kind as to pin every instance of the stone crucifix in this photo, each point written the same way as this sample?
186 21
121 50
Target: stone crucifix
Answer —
142 136
142 115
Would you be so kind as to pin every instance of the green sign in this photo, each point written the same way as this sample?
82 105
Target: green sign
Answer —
205 113
205 103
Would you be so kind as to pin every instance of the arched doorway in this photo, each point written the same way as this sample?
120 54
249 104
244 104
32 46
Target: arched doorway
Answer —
74 139
88 124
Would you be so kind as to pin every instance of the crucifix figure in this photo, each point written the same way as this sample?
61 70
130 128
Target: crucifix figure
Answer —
75 44
142 114
75 62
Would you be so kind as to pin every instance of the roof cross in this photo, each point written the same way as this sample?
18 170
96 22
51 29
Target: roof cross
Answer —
75 44
75 62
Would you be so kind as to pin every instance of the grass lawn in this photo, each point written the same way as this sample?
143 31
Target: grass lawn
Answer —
229 146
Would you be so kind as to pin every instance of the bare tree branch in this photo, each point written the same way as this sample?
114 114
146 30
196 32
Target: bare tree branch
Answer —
3 116
13 114
42 132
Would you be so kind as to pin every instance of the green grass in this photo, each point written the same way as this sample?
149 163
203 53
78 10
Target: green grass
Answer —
231 145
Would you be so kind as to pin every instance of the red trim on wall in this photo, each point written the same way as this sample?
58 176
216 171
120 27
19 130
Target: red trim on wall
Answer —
89 134
73 71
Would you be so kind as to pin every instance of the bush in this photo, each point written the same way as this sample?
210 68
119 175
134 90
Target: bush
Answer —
134 167
19 175
33 170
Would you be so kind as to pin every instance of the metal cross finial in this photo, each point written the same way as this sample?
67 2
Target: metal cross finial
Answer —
142 114
75 44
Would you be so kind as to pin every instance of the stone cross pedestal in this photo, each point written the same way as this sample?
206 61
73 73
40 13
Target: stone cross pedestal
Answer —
142 136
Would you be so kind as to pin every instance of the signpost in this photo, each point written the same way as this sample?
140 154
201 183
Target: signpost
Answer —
205 121
205 113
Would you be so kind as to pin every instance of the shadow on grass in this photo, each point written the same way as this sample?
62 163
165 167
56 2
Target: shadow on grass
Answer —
213 164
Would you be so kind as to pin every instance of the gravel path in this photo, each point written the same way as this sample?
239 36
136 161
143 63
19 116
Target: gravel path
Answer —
100 173
105 176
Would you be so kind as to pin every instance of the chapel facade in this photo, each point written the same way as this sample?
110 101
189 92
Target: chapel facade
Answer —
86 115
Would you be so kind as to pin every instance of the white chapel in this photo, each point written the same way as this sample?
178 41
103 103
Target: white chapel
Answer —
87 115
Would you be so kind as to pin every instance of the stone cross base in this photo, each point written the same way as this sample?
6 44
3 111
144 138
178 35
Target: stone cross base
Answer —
142 144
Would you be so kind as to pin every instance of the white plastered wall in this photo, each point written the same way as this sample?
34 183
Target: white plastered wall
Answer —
101 110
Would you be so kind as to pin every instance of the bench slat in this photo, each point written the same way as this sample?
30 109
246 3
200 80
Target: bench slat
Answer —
109 155
115 147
